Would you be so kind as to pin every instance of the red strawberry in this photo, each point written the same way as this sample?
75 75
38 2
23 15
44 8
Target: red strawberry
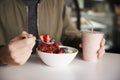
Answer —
42 47
41 37
60 51
49 51
46 38
56 44
50 47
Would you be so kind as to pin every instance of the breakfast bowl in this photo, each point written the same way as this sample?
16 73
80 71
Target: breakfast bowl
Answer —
58 59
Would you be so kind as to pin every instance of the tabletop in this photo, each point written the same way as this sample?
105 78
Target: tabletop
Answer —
107 68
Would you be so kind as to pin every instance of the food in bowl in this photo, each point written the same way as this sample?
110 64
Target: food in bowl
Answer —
54 54
55 59
49 45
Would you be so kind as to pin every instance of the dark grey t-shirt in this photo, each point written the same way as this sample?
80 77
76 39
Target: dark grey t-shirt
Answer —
32 19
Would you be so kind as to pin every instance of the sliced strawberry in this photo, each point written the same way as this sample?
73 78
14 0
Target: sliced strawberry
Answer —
50 47
49 51
42 47
46 38
56 44
41 37
60 51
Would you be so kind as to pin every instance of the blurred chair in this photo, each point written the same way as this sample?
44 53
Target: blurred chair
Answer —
115 8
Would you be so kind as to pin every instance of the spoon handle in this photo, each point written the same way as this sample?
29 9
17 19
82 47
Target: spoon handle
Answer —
38 40
44 42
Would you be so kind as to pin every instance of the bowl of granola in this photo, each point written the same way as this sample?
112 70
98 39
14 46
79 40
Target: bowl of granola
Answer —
56 55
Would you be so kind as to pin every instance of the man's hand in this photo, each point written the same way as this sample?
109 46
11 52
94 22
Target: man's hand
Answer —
18 49
101 50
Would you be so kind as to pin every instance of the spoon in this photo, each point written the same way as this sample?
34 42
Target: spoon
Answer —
52 42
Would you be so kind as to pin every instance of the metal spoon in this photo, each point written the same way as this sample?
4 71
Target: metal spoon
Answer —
44 42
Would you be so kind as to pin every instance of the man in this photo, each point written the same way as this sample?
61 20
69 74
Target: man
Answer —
21 21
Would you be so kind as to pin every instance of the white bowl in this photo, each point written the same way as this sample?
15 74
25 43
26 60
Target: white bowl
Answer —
56 60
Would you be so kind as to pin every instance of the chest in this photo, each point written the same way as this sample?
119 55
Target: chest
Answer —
49 19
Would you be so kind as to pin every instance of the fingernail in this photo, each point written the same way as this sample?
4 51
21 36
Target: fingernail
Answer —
30 35
24 32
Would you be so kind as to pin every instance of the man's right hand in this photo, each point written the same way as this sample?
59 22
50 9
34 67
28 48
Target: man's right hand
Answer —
18 49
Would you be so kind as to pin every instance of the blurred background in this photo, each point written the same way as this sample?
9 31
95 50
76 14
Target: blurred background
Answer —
104 15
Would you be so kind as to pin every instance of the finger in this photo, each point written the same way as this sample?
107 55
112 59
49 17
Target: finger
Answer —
80 45
21 58
24 51
21 43
26 35
20 52
23 34
24 57
102 42
100 52
30 35
30 46
26 43
26 48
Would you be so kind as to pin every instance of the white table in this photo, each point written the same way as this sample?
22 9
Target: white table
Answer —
108 68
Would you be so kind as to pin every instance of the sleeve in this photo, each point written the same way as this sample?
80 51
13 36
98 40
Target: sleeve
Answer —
71 36
2 41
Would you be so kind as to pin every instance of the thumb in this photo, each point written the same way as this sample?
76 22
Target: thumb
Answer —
101 50
80 45
24 34
102 42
